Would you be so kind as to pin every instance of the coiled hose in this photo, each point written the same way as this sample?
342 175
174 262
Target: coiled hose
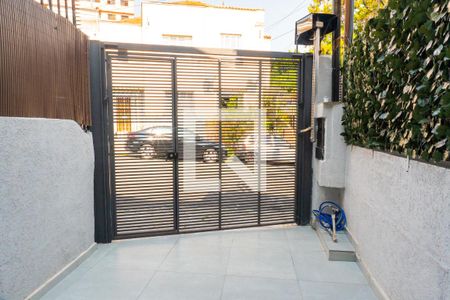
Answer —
323 215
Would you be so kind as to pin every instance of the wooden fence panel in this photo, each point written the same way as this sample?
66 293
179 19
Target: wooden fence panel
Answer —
44 68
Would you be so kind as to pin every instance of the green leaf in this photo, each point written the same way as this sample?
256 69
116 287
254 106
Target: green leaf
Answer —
381 58
384 115
398 80
438 50
436 112
441 143
436 16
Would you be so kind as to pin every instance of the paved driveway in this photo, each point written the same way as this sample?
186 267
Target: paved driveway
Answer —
282 262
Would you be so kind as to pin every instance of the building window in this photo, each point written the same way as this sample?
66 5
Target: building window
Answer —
123 114
111 17
124 2
177 39
125 17
230 40
111 1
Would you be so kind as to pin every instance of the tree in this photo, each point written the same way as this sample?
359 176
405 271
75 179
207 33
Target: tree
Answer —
363 11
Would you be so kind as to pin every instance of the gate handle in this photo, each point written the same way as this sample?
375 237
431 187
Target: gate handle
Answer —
305 130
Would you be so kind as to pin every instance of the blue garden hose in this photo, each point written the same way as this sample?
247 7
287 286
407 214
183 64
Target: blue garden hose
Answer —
323 215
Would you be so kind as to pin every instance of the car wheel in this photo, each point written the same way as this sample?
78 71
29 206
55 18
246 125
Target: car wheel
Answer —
147 151
210 156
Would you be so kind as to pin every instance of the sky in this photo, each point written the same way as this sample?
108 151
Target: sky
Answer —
280 18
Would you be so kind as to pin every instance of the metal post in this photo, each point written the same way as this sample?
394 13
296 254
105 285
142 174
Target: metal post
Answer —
259 141
315 89
102 196
303 187
349 5
336 56
176 212
220 143
111 158
74 15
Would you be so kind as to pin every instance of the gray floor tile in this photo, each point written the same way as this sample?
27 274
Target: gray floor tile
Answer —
140 254
99 283
336 291
197 258
301 233
249 288
61 288
274 238
179 286
258 263
206 239
161 241
305 245
264 262
314 266
101 251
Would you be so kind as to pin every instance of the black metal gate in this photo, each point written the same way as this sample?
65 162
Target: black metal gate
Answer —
200 139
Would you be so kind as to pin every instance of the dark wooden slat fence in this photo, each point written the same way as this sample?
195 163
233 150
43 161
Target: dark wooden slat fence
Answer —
44 69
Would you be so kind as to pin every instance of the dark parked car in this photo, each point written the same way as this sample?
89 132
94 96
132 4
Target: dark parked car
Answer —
157 142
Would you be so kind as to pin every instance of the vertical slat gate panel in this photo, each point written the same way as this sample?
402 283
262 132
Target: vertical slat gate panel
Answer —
198 87
142 90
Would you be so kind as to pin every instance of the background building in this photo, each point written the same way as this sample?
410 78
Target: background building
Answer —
109 20
105 10
185 23
190 23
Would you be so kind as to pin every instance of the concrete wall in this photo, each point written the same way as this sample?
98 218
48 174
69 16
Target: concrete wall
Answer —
46 201
399 217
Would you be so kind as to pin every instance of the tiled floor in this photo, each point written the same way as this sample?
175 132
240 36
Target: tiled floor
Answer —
261 263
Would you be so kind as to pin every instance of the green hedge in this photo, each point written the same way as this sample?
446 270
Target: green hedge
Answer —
397 81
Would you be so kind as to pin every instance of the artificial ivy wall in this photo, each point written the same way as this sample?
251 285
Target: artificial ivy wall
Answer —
397 81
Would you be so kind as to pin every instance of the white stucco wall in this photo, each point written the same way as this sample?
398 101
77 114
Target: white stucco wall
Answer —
46 200
399 217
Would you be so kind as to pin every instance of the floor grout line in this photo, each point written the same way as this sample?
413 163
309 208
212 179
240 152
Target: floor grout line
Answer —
157 268
228 265
146 285
295 270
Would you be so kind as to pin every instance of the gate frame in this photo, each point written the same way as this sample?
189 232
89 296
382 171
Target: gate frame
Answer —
102 125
